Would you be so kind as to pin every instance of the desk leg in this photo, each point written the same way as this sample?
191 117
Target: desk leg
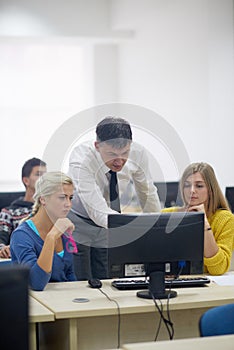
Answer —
32 336
73 334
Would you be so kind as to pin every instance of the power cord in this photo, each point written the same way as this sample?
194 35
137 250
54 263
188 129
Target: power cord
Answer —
159 324
167 321
119 318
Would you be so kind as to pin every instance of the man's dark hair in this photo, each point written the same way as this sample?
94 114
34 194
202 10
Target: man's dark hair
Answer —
30 164
115 131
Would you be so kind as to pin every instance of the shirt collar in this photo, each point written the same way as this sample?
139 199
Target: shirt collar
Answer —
102 164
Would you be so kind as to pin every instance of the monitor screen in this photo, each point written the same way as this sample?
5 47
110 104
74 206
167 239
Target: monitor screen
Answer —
169 194
14 306
160 242
229 193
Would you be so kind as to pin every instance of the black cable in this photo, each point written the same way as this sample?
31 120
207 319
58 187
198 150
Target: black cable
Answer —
159 325
160 311
118 308
167 322
169 316
168 311
160 319
171 334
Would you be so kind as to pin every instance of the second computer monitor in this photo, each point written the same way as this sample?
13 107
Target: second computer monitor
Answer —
229 193
159 241
169 194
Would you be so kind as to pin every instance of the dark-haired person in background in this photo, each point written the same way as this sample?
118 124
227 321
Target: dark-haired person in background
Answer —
201 192
89 166
21 207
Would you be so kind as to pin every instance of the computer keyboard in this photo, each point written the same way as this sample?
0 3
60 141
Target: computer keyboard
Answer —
182 282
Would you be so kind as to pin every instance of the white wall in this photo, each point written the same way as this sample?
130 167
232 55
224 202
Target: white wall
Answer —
54 18
41 85
180 64
54 63
172 57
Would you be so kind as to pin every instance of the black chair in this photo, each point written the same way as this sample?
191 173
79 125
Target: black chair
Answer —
6 198
14 307
229 194
218 320
169 194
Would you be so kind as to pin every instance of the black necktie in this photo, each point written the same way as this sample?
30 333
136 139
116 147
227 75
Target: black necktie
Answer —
114 192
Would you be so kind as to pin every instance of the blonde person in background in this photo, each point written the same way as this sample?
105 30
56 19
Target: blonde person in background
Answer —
43 241
201 193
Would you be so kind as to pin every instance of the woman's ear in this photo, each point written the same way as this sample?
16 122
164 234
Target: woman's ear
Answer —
42 201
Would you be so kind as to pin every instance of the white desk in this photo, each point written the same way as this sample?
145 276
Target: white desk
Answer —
5 261
94 324
37 314
215 343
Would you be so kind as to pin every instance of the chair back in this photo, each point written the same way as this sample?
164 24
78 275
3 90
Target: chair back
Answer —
217 321
6 198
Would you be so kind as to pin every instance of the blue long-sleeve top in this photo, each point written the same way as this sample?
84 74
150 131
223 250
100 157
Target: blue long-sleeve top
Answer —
26 246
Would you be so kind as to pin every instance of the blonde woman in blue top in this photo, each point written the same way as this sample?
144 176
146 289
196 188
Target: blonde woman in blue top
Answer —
43 241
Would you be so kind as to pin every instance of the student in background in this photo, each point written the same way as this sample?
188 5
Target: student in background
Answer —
21 207
201 193
43 241
89 166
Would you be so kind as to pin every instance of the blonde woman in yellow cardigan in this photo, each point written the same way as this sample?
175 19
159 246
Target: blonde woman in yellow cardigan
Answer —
201 192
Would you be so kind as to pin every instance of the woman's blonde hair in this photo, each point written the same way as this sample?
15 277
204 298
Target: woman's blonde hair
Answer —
48 184
216 199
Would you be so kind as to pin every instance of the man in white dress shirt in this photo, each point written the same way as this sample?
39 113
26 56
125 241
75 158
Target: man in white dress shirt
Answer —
89 166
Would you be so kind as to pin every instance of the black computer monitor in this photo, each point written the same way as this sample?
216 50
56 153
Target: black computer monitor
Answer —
162 242
169 193
229 193
14 306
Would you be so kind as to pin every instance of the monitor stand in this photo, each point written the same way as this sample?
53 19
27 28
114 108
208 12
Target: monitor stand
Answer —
156 288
